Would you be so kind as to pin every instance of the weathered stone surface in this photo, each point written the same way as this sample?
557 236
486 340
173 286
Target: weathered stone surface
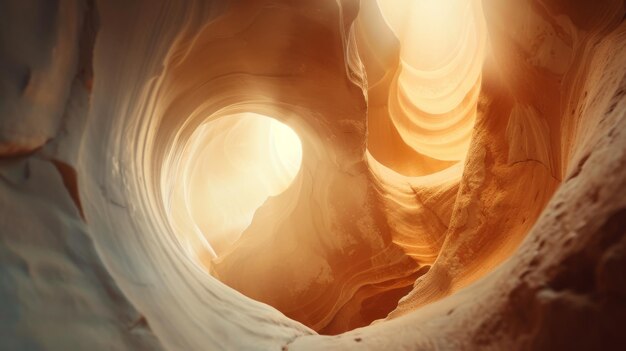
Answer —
511 239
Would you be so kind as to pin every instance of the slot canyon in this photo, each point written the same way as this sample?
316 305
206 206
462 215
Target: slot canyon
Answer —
312 175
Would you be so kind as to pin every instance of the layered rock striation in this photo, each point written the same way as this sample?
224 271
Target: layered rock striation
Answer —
274 174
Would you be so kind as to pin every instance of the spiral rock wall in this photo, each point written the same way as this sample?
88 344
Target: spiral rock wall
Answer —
503 230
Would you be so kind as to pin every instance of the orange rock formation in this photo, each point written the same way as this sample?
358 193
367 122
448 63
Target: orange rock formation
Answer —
304 175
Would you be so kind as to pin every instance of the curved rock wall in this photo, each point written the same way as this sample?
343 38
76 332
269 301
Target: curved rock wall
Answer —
510 239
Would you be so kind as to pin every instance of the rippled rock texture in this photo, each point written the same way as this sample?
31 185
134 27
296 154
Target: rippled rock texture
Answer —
304 175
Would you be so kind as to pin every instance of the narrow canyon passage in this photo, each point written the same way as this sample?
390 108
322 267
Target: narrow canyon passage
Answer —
312 175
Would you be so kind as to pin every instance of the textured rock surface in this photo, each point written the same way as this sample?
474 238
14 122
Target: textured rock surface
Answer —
56 293
39 49
513 241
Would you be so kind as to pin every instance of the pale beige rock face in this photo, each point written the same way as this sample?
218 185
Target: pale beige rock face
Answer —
482 205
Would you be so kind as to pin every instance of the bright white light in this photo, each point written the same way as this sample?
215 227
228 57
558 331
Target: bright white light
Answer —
287 150
228 170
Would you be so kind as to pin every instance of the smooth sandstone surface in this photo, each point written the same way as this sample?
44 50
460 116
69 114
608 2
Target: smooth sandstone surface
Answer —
457 191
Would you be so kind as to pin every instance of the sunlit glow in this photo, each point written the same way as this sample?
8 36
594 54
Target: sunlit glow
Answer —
433 101
229 168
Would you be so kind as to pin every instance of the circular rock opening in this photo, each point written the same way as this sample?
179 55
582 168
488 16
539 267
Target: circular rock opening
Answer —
228 168
420 216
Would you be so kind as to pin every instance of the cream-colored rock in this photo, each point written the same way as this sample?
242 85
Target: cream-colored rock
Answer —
492 218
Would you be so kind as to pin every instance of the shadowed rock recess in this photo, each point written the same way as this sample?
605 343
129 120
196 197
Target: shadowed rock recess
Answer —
312 175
